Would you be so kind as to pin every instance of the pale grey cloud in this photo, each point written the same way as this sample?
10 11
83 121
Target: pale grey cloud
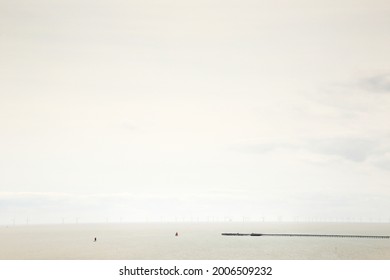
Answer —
383 160
376 83
346 205
129 126
355 149
54 207
261 148
349 148
71 208
354 97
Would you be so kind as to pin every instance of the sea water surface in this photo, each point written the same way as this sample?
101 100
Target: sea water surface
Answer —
196 241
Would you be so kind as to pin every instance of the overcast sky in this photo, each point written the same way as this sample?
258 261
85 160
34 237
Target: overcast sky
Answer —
164 110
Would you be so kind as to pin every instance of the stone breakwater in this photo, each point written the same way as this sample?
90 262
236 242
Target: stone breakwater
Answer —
308 235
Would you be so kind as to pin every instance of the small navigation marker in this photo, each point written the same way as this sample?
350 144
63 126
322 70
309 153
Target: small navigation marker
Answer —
176 234
94 240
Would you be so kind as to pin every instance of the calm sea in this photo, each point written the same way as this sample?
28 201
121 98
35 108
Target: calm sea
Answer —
195 241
